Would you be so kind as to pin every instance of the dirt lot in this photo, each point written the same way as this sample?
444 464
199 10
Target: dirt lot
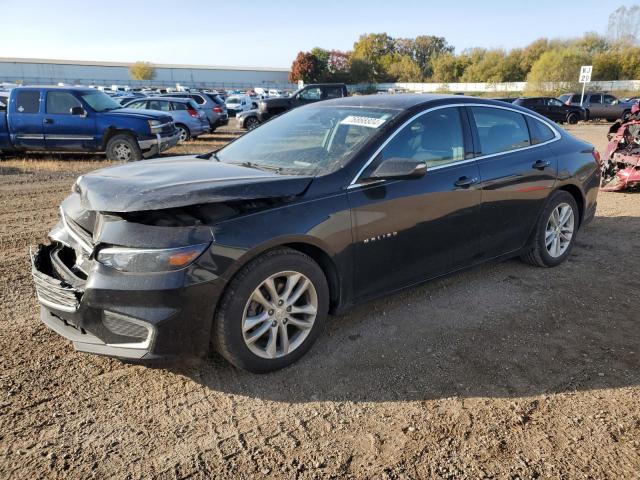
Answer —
504 371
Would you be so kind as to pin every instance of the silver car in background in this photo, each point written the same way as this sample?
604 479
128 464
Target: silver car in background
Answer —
189 118
212 104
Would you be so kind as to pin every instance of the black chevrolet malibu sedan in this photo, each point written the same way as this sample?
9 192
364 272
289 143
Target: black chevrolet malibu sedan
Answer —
247 249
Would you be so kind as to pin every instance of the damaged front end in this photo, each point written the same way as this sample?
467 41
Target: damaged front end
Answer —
621 165
130 270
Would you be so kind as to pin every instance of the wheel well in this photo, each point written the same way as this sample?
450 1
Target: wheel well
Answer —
577 195
111 132
327 265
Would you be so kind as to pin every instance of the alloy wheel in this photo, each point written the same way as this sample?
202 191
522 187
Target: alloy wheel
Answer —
559 230
279 314
251 123
122 152
184 135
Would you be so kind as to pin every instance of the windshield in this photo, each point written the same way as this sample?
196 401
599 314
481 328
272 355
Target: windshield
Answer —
312 140
100 102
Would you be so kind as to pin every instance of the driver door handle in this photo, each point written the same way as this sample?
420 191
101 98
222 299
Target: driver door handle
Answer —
541 164
466 182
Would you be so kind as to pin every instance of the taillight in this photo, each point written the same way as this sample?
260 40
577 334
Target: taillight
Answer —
217 109
192 112
596 156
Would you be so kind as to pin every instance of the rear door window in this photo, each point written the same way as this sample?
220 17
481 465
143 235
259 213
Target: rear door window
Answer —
179 105
500 130
595 99
334 92
161 105
28 101
199 99
61 103
609 99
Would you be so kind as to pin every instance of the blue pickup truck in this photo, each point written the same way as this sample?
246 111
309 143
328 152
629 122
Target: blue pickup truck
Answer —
77 119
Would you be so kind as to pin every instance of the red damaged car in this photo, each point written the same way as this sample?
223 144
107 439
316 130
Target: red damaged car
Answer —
621 166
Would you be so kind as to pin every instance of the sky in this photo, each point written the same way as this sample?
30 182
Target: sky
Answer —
270 33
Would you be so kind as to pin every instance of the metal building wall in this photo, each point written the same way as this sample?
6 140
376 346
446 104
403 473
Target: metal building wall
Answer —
37 71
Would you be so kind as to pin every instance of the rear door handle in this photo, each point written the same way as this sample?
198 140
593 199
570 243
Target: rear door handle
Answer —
48 120
466 182
541 164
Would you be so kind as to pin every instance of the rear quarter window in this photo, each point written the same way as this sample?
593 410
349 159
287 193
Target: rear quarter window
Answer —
179 105
28 101
199 99
540 133
500 130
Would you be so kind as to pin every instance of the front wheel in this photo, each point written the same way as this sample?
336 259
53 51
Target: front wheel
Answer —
123 148
555 232
272 311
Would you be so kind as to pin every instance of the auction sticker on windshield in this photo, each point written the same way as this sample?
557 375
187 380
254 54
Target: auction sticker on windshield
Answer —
361 121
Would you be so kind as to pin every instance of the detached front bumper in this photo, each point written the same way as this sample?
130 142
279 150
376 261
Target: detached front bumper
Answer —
125 315
154 146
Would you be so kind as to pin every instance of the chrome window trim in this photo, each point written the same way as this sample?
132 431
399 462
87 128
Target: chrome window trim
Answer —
556 137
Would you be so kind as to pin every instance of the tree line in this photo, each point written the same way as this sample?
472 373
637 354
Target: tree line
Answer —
379 58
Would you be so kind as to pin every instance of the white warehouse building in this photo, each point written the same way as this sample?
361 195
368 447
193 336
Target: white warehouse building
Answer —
77 72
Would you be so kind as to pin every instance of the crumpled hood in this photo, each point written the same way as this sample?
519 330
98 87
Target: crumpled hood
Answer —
178 182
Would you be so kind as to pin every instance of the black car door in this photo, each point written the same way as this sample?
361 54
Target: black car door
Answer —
409 230
517 171
557 109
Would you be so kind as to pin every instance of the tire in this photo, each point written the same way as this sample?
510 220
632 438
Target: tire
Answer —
185 134
237 308
544 254
625 116
572 118
251 122
123 147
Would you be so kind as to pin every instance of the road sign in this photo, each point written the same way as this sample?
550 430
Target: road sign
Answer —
585 73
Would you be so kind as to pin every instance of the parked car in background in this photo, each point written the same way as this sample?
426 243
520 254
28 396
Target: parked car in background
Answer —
212 104
82 120
553 109
276 93
188 117
599 105
316 92
248 119
238 103
249 247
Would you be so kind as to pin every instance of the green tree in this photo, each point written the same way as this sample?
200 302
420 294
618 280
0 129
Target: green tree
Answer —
448 68
142 71
322 60
556 70
426 49
405 69
375 49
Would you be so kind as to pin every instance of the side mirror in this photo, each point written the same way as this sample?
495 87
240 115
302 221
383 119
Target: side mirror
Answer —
398 168
78 111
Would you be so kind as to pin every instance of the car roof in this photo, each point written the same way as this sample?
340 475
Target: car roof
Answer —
405 101
167 99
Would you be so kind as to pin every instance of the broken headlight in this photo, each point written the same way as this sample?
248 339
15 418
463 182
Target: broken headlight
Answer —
148 260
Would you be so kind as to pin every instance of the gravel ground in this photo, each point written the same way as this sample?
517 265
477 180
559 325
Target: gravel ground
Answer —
503 371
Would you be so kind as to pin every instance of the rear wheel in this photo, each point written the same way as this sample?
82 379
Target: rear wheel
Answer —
251 123
123 147
555 232
272 311
572 118
184 132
